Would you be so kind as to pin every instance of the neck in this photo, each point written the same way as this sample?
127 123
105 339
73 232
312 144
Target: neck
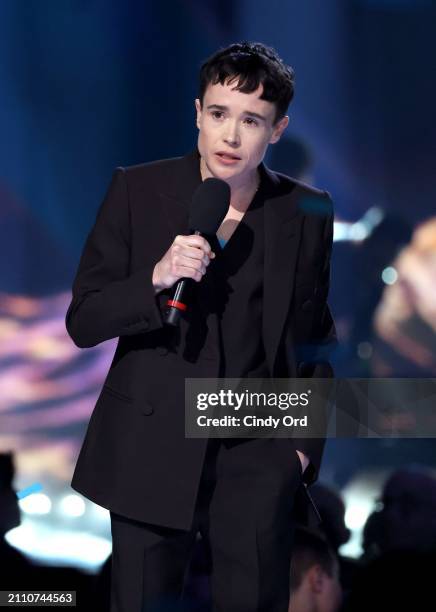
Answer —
242 192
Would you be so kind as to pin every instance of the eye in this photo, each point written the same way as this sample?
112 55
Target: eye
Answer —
251 121
216 114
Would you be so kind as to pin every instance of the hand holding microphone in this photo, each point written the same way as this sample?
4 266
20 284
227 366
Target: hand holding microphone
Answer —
188 257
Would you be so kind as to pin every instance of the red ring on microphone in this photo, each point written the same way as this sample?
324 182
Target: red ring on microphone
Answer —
176 304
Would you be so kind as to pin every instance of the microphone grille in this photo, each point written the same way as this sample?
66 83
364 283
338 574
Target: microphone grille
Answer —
209 206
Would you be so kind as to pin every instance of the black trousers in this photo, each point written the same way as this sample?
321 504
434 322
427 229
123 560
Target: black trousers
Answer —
244 512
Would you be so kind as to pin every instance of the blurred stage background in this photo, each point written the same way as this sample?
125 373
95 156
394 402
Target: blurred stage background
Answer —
88 85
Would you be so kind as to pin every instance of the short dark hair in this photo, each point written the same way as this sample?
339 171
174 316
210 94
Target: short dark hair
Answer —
249 64
310 548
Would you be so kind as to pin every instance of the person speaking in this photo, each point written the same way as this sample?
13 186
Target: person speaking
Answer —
256 307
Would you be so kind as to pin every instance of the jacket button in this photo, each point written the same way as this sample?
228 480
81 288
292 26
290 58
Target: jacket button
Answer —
147 409
307 306
161 350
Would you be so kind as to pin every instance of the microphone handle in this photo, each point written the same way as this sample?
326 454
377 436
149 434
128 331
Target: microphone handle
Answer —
178 303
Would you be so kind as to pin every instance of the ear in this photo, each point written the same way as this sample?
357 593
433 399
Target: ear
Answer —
316 578
198 109
278 129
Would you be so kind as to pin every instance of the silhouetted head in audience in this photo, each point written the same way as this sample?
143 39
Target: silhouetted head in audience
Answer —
291 156
409 511
9 510
332 510
314 583
373 535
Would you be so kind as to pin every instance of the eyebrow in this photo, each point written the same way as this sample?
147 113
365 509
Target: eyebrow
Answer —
226 108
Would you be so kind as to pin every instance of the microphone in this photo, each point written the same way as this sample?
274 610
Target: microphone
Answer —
209 206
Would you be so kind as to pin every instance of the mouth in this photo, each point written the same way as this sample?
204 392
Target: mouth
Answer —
227 158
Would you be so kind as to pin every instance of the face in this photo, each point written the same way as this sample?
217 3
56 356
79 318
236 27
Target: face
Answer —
235 131
330 598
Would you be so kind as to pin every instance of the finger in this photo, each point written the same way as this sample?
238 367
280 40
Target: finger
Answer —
189 262
194 241
193 253
187 272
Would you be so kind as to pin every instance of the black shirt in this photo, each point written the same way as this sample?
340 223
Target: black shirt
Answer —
237 272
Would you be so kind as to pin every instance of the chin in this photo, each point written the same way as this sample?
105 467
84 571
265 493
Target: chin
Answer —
225 175
221 172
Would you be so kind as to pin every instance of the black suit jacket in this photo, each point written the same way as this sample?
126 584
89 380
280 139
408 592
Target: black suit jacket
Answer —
135 459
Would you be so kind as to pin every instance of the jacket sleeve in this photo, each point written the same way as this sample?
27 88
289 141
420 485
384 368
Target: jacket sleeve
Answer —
107 302
314 358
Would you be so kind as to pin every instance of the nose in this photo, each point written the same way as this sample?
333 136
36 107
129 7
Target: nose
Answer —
231 135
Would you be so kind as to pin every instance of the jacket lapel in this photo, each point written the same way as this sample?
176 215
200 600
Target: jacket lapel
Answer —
177 194
282 226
